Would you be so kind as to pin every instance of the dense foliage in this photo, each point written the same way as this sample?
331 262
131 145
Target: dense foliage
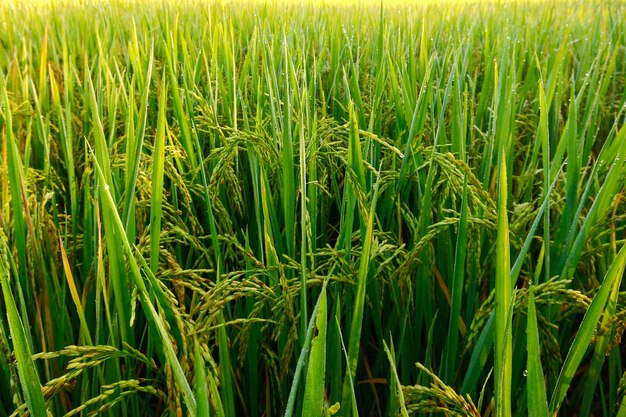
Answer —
212 209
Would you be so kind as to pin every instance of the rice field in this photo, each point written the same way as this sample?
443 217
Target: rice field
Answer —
312 209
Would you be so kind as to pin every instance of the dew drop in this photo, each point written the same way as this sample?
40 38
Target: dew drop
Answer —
525 372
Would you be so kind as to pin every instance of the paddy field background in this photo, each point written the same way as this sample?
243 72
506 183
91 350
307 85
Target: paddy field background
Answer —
356 208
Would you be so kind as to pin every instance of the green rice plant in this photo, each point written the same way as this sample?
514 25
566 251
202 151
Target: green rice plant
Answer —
457 288
590 321
537 398
200 388
314 347
282 208
156 321
504 299
29 378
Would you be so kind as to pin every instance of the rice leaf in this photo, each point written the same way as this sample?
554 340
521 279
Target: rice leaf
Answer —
586 330
536 386
504 351
29 377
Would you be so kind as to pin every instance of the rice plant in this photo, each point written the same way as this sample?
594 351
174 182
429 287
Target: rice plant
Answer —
312 208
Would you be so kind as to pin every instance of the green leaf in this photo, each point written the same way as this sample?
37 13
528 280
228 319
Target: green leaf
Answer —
536 387
158 163
457 291
200 386
154 318
29 378
314 391
359 302
586 331
304 352
504 350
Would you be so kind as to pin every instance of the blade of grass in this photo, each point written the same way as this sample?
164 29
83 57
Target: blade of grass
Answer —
313 404
200 387
134 146
304 352
504 351
117 278
288 166
542 133
479 356
586 330
359 301
417 123
154 318
536 387
74 293
486 339
29 378
457 291
18 197
600 349
603 199
158 163
396 384
215 396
